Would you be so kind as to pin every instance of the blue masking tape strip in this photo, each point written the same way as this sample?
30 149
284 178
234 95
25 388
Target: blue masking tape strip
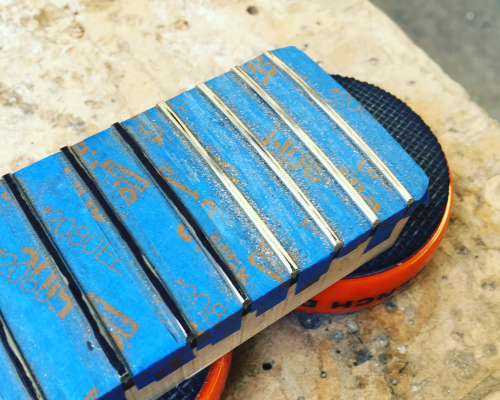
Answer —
51 333
98 269
11 385
206 300
385 146
219 216
285 217
349 223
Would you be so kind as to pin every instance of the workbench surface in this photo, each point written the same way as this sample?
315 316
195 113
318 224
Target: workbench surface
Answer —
71 68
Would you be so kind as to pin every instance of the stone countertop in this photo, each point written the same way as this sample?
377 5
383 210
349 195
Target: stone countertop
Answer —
71 68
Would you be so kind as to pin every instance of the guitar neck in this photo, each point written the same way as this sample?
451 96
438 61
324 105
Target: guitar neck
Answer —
140 255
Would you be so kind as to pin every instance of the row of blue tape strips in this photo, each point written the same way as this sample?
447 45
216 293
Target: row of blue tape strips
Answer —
45 322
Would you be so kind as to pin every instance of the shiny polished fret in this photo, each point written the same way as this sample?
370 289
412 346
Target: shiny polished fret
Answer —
263 229
345 127
274 165
312 146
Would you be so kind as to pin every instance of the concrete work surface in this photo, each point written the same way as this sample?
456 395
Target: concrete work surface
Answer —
461 36
71 68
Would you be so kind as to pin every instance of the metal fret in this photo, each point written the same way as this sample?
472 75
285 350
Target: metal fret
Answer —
312 146
299 195
345 127
263 229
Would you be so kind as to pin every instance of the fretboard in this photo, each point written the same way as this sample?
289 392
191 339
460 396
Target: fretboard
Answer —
140 255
